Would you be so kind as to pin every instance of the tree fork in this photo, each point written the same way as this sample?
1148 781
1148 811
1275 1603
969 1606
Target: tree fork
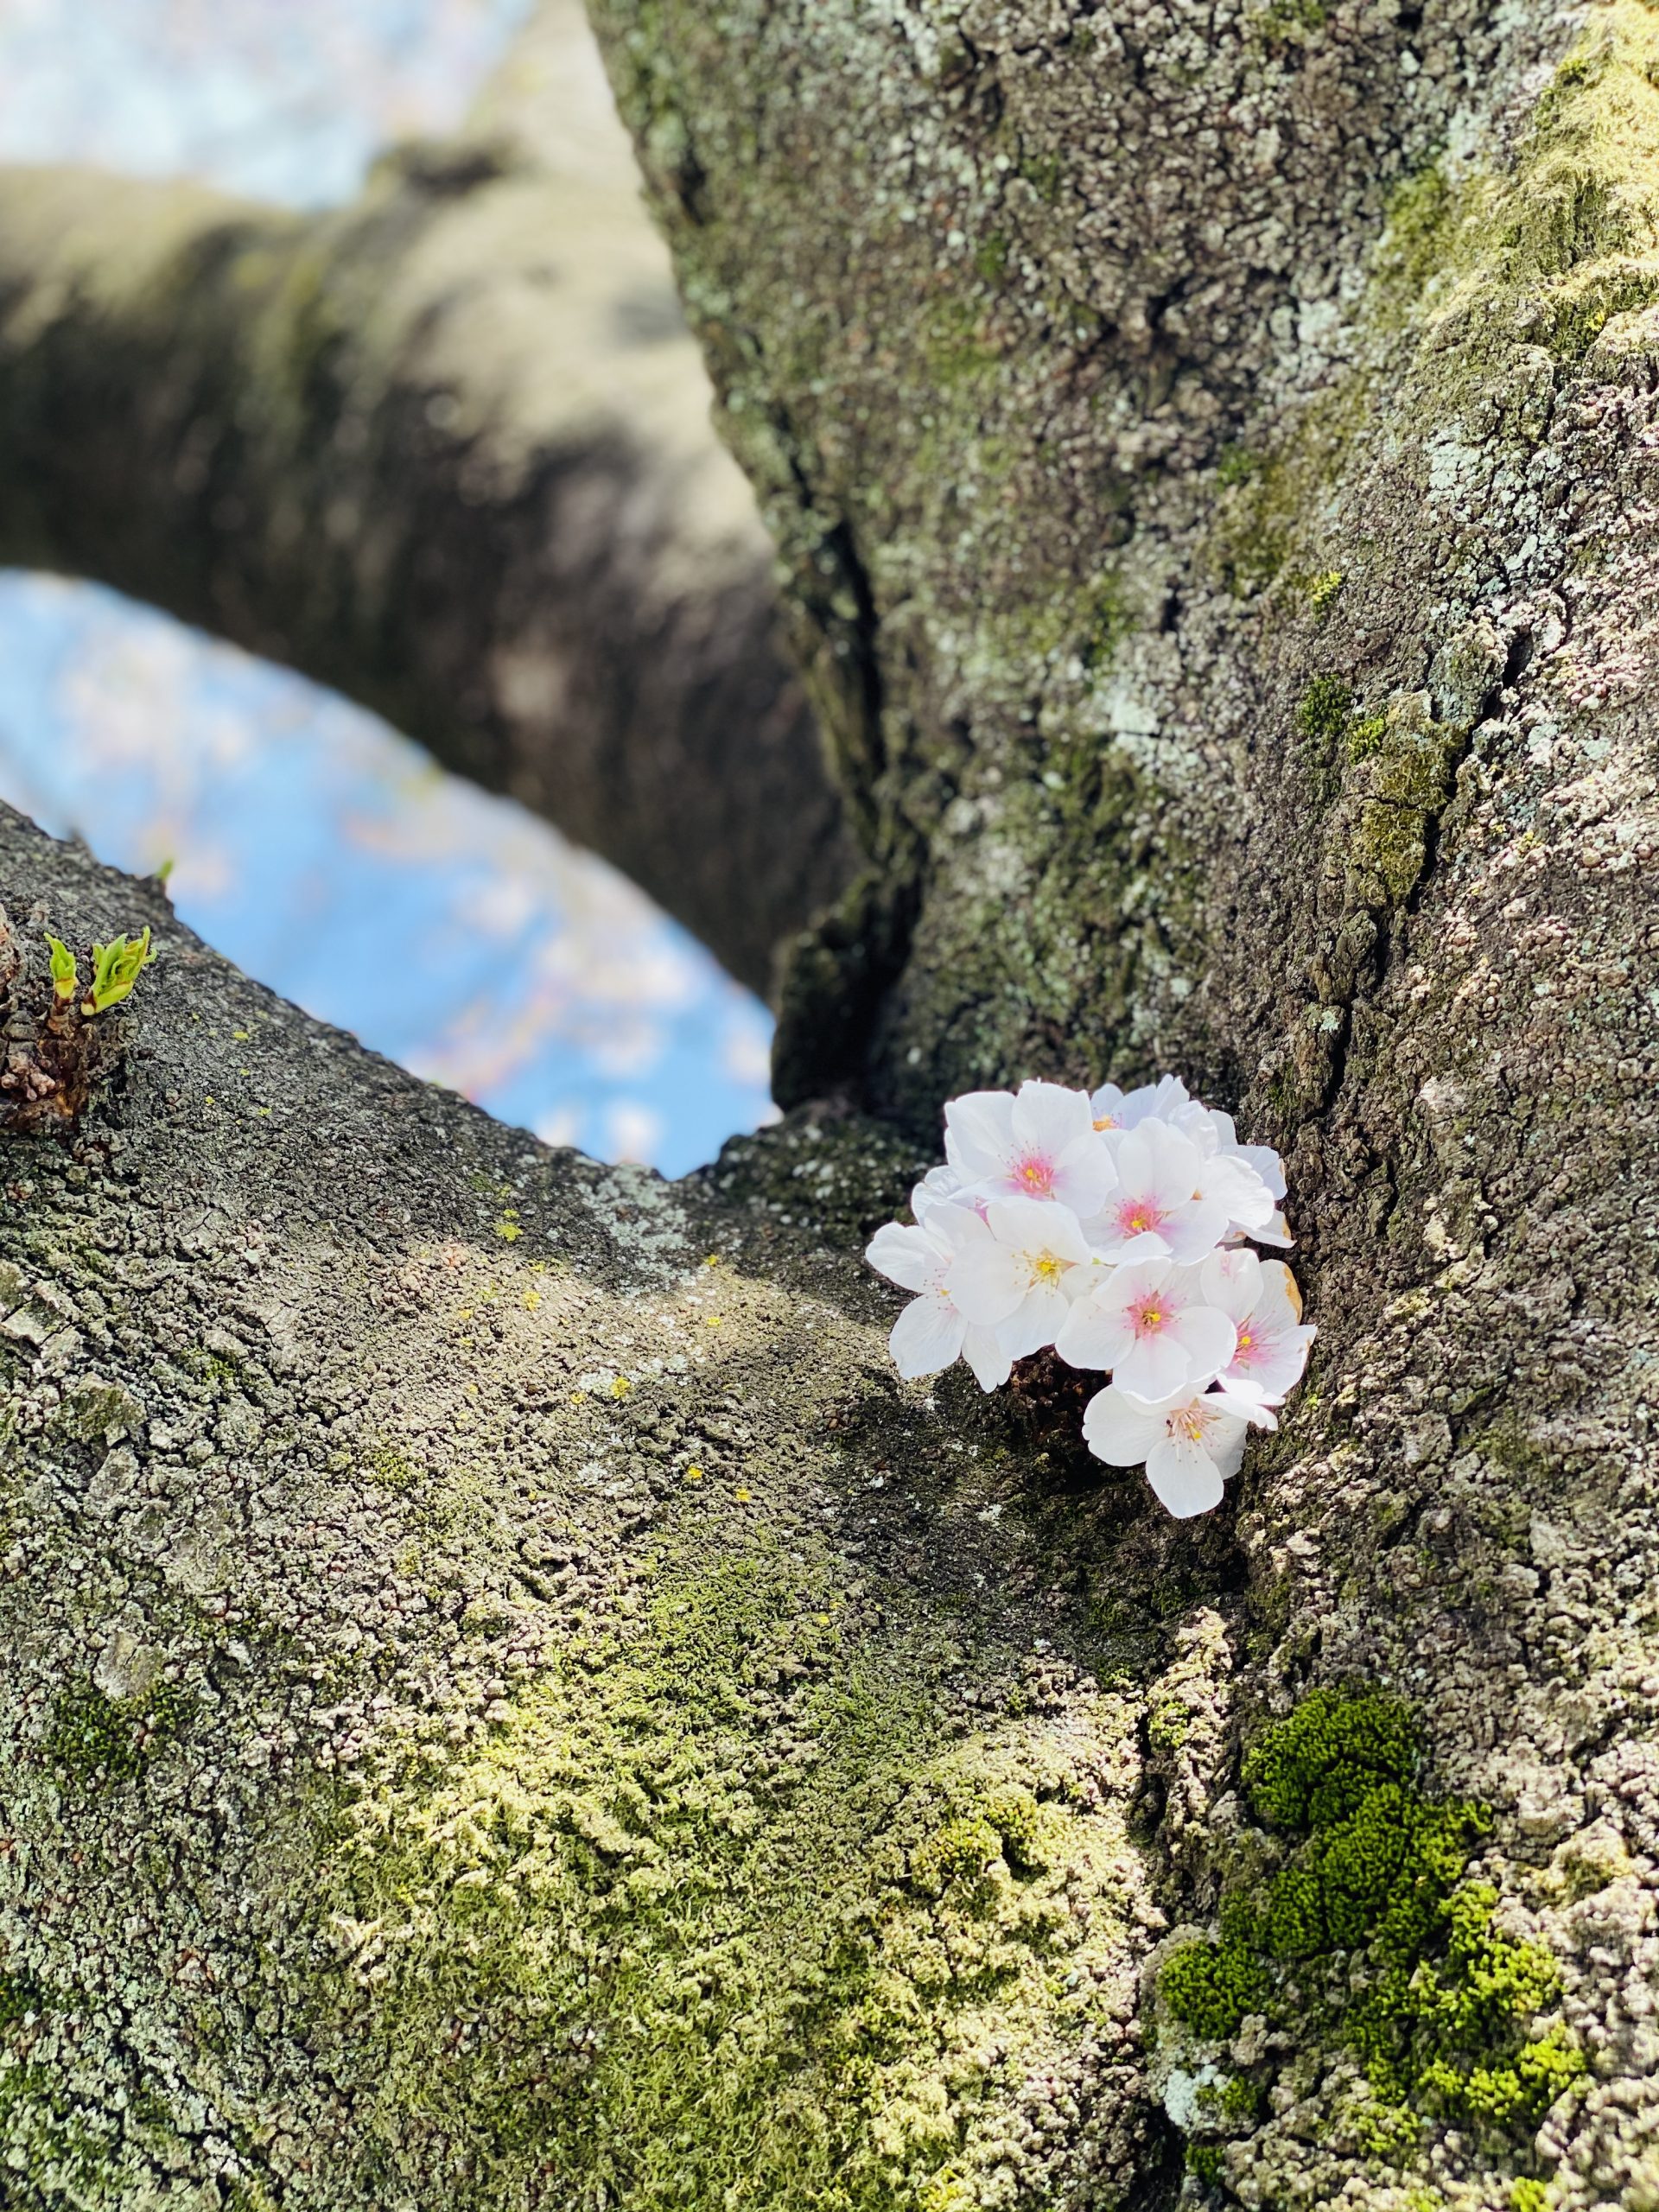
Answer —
492 1738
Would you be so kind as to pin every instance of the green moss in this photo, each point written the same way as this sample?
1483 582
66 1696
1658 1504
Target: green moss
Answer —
1167 1724
1325 709
1204 2163
1529 2196
1364 738
720 1917
1209 1988
1572 231
991 257
52 2157
391 1468
1044 172
1237 466
95 1735
20 1995
1389 2133
1440 2009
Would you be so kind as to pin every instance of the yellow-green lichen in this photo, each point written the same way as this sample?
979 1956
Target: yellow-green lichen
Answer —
726 1912
1569 238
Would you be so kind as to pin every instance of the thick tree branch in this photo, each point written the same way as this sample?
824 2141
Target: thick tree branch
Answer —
450 1624
446 450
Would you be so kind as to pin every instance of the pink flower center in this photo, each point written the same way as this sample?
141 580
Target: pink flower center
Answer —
1134 1215
1035 1174
1150 1316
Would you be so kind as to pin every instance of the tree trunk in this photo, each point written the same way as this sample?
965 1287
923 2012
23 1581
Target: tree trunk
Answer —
508 1713
446 449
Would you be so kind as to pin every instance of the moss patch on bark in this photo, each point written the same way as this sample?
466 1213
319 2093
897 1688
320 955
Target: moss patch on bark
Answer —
1367 1933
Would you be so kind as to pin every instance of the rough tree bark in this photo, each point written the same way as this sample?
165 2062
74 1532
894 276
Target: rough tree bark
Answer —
486 1737
447 450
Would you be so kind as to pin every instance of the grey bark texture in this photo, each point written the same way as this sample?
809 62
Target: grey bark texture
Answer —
507 1713
446 450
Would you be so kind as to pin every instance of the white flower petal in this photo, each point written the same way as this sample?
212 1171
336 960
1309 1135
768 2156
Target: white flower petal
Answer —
983 1353
979 1133
987 1281
1267 1164
1093 1335
1290 1289
1028 1330
1231 1281
1157 1367
1184 1478
1207 1336
1135 1281
935 1187
1107 1106
1038 1225
1223 1440
1047 1118
1196 1230
1119 1433
926 1336
1271 1366
957 1224
1085 1175
1049 1309
907 1257
1158 1166
1234 1185
1240 1405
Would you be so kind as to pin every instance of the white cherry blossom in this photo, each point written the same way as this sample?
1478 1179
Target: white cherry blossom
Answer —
1172 1202
1190 1444
1019 1278
1149 1324
1248 1178
1261 1299
1039 1144
942 1187
931 1333
1230 1181
1112 1226
1113 1109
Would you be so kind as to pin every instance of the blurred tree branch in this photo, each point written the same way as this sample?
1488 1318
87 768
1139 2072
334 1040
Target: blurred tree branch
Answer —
446 450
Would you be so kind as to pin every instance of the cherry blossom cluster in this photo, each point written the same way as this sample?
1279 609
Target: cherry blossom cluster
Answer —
1116 1229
